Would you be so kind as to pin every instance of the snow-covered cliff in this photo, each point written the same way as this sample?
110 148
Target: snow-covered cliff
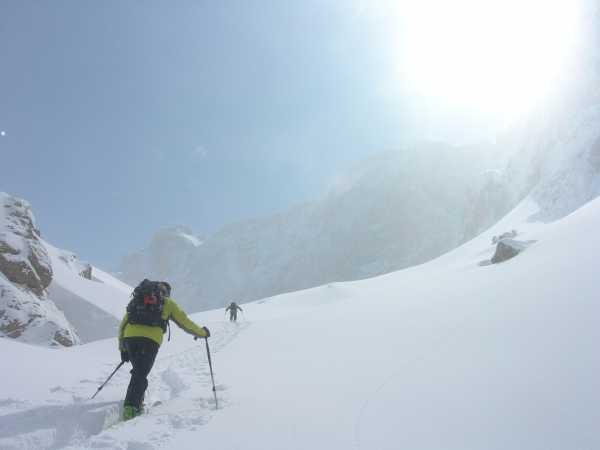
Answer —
26 312
557 151
47 295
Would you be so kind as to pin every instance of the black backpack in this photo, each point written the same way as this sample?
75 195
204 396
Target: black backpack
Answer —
146 305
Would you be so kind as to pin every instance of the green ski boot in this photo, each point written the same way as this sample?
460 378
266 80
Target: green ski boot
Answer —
129 412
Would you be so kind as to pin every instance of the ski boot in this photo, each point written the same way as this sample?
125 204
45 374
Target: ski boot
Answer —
130 411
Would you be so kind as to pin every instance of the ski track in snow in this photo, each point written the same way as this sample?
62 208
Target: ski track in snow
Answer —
179 385
436 349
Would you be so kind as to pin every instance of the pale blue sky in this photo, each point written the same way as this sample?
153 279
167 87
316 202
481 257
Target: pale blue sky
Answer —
125 116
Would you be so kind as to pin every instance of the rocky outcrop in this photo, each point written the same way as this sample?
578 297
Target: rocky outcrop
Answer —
83 269
86 272
507 249
23 258
26 313
32 319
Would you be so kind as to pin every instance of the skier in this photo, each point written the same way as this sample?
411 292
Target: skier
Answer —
233 309
141 333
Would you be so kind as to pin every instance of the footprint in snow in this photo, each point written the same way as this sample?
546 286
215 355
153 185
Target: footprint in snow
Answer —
174 382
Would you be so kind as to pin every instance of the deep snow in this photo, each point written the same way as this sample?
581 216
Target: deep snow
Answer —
447 355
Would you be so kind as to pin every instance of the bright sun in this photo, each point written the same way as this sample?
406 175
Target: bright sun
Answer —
499 57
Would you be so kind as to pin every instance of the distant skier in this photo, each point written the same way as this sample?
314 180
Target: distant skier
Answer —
141 333
233 309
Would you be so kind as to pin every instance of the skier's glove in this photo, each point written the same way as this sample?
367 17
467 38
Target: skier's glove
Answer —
207 334
124 356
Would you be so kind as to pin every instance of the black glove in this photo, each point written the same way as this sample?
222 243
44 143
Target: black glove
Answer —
124 356
207 334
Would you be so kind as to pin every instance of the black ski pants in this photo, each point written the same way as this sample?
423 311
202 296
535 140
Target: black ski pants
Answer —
142 353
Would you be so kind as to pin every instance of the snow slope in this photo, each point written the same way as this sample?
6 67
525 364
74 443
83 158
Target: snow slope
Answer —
93 306
446 355
103 291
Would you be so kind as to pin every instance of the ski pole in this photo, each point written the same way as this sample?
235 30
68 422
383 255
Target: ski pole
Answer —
212 376
108 379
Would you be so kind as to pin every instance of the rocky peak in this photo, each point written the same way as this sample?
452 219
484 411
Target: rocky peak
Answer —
23 258
26 313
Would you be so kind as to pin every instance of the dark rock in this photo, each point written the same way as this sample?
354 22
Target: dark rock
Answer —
87 272
64 338
507 249
13 328
22 272
23 258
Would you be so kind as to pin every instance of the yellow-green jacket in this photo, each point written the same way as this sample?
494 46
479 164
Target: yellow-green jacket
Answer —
170 311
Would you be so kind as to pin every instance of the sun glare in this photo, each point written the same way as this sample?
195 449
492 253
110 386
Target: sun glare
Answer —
497 57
